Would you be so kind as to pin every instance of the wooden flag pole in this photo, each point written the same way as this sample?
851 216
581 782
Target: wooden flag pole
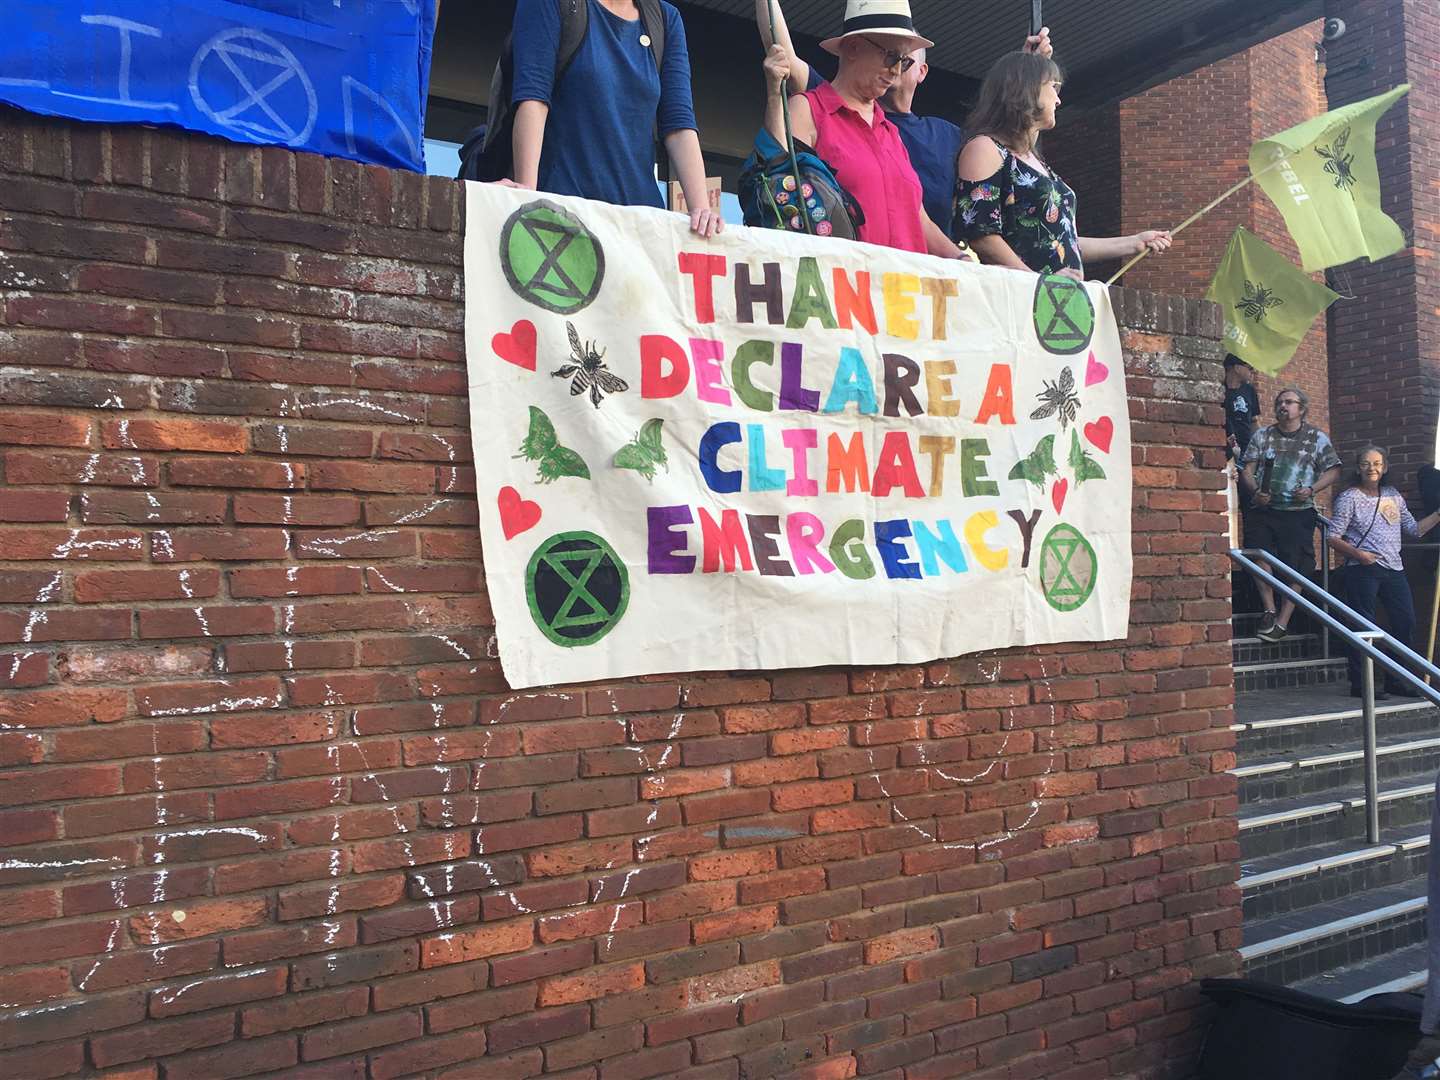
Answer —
1197 216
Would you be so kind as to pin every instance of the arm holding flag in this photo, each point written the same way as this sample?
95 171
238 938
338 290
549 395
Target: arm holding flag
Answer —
1100 248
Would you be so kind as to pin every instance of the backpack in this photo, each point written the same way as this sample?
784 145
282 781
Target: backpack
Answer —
769 199
487 154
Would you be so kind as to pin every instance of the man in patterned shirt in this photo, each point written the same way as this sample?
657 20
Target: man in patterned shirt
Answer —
1285 467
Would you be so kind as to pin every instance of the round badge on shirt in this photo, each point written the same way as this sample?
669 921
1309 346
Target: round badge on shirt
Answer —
645 40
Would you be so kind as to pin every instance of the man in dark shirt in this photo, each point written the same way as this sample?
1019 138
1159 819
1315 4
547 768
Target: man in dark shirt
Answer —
1242 406
933 144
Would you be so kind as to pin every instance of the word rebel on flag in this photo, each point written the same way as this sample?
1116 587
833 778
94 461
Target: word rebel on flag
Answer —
1323 177
1268 304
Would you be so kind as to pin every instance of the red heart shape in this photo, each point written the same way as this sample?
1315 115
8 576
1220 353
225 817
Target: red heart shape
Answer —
1100 433
1057 493
518 346
516 514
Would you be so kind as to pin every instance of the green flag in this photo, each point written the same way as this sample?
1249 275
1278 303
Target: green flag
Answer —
1323 177
1268 303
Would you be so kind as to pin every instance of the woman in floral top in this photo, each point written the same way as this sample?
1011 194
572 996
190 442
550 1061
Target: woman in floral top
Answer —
1009 205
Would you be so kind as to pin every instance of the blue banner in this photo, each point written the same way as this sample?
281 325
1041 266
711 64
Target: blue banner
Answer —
348 78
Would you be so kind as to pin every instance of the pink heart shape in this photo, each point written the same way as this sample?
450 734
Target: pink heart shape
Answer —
1057 494
1095 371
1099 433
516 514
518 346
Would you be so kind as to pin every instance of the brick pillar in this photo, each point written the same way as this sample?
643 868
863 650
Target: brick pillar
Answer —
1385 346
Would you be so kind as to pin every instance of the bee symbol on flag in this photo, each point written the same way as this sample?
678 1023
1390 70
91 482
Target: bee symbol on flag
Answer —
1337 161
1257 301
587 371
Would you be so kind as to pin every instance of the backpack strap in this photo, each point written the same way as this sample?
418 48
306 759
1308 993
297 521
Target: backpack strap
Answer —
574 22
653 16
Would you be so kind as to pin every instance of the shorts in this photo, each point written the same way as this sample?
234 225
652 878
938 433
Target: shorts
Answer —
1287 534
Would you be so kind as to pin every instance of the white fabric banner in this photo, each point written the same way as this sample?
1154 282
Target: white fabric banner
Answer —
771 450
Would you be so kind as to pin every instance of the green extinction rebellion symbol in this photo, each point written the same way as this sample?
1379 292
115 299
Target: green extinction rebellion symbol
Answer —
1064 316
550 258
1067 568
577 587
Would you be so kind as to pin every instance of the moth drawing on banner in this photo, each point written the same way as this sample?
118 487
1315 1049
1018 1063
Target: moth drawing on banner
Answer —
1082 464
1059 398
1337 162
645 451
1038 464
587 370
543 445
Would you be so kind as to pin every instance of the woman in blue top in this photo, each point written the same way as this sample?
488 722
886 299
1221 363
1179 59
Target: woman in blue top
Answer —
1369 520
591 133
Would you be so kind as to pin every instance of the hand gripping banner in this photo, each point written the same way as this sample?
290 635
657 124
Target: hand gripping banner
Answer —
771 450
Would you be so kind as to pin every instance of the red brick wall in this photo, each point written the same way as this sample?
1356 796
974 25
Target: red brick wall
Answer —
1386 347
1172 149
264 796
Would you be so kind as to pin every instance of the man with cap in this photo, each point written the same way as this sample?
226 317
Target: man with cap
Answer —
933 143
1242 406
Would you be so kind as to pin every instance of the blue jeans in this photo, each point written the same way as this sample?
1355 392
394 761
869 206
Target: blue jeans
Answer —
1364 585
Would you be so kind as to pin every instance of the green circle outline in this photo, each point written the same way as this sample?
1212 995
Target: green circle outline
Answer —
1042 292
525 292
1094 563
615 616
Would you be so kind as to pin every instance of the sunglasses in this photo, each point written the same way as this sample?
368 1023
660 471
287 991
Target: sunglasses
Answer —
892 57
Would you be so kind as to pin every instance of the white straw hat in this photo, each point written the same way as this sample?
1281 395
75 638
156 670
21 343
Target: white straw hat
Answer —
888 17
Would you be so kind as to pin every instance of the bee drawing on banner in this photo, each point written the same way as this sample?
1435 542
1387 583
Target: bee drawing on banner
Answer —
1257 301
1059 398
587 371
1338 162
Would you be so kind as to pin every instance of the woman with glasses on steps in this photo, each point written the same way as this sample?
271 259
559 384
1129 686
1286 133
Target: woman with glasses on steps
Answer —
1370 517
843 121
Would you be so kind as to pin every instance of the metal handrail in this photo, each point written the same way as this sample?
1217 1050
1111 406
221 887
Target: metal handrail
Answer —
1364 641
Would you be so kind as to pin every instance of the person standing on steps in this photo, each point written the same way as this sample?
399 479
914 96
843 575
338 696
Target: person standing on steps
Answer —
1285 467
1242 406
1369 519
932 142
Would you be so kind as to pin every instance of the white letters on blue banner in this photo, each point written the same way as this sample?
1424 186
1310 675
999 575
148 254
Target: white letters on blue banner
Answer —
346 78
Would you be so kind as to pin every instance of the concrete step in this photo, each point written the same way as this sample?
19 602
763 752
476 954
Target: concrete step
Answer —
1304 944
1254 650
1395 972
1320 718
1319 875
1316 772
1277 825
1280 674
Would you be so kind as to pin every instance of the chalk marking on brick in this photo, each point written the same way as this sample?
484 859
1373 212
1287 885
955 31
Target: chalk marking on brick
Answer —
359 403
109 862
117 894
416 515
164 544
327 544
384 580
169 998
223 705
75 544
458 650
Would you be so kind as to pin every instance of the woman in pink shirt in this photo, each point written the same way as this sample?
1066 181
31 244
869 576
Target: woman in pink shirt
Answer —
842 121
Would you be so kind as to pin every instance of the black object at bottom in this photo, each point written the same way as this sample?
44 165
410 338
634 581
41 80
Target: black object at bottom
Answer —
1265 1032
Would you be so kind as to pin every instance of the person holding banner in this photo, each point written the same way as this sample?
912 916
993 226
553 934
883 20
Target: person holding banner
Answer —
1369 520
932 142
590 133
1285 467
1011 207
847 127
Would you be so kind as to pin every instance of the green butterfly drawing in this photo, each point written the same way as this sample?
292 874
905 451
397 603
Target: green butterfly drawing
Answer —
1040 463
542 445
1082 464
644 452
